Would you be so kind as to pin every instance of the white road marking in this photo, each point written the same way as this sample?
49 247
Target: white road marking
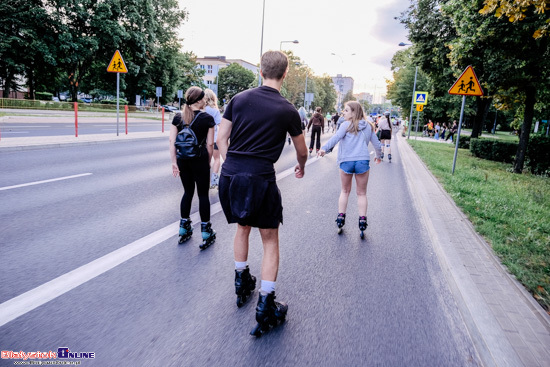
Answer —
44 181
28 301
15 132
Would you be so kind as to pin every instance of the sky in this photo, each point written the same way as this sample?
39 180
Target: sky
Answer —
366 28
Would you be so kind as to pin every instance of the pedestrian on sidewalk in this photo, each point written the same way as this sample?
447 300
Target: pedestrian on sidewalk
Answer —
213 110
452 131
437 130
443 130
354 159
194 171
251 139
317 124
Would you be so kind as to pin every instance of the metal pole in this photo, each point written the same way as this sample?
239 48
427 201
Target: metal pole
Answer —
458 133
117 86
261 47
305 91
412 103
417 117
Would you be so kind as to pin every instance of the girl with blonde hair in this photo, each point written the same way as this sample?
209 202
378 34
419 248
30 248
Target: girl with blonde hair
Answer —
354 135
213 110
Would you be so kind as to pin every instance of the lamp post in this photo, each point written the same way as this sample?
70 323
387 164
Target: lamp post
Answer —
412 98
340 81
261 47
281 44
305 90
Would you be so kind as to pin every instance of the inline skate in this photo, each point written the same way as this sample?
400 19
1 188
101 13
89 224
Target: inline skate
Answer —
208 235
244 285
389 157
382 156
269 313
362 226
214 182
186 231
340 221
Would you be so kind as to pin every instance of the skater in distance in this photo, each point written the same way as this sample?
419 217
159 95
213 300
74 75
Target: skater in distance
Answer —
251 138
194 171
354 135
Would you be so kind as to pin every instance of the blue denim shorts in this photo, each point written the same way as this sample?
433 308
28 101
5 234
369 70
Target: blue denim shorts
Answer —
357 167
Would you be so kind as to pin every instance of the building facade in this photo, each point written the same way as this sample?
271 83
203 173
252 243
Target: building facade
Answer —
212 65
342 85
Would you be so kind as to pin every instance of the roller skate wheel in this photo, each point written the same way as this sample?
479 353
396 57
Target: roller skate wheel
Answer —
340 230
362 235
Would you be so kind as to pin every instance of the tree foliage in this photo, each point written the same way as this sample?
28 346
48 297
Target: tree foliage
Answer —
234 79
60 45
516 11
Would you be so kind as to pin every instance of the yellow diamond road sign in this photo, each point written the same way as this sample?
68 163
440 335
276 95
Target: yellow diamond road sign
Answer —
421 98
467 84
117 65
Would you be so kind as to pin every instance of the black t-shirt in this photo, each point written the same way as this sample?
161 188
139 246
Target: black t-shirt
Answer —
261 118
200 127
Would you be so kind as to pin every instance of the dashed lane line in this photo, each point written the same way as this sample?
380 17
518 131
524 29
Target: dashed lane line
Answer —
44 181
28 301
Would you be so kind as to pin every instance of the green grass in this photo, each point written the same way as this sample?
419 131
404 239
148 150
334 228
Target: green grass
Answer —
511 211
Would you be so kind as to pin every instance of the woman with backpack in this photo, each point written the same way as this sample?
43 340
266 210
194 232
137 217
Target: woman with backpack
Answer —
191 147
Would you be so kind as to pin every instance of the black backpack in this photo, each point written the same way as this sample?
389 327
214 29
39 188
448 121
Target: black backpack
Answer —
187 145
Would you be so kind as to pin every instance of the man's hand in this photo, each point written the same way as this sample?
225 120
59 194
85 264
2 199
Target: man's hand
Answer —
299 171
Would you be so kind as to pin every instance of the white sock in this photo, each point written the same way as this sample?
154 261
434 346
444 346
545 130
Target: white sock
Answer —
267 286
240 265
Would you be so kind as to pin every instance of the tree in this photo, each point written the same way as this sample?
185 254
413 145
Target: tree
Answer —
516 65
348 97
324 93
234 79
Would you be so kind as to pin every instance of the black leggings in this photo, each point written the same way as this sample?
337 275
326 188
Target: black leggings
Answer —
315 130
195 171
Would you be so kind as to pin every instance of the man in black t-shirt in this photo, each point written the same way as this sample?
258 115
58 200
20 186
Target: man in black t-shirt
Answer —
251 138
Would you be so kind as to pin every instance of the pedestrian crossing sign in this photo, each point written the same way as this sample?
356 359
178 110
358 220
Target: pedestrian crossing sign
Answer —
117 65
421 98
467 84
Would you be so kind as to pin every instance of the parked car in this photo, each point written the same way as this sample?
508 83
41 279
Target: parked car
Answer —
170 108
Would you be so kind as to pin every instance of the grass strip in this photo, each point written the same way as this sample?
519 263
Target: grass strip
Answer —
511 211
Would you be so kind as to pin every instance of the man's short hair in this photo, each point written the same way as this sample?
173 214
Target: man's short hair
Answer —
274 65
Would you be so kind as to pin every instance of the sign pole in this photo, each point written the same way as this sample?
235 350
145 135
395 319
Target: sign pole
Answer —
117 99
417 118
458 133
412 103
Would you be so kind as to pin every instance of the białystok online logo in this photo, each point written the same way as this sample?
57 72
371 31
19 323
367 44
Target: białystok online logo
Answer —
62 353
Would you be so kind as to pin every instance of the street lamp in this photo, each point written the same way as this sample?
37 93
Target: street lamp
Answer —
281 44
305 90
412 99
261 47
339 81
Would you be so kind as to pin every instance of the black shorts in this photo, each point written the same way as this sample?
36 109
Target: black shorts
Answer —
385 135
250 200
215 146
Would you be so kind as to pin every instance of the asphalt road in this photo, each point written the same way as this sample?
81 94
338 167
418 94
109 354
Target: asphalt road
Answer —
381 301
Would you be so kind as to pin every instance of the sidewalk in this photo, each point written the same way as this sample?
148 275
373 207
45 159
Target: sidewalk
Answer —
508 327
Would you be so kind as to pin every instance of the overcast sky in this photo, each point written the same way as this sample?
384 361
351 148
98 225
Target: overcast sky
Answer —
366 28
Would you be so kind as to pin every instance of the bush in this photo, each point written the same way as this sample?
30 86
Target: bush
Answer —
538 154
113 101
43 96
494 150
464 142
